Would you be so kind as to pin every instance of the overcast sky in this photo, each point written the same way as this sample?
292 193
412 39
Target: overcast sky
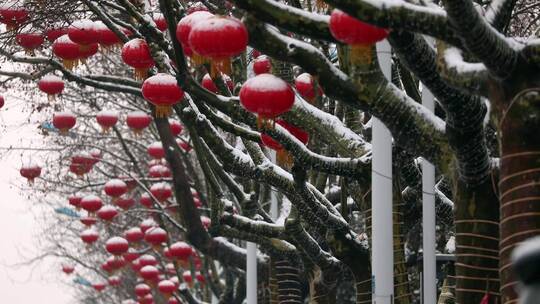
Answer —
41 282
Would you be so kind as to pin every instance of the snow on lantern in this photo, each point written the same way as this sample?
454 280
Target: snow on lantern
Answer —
181 251
218 38
131 255
184 28
12 14
107 213
166 287
196 7
89 236
91 203
262 65
142 289
162 91
209 84
107 119
137 121
116 245
161 191
159 171
136 54
155 150
30 171
84 33
115 188
64 121
267 96
359 35
88 220
29 41
148 259
134 235
305 85
147 224
67 50
156 236
52 85
282 156
149 273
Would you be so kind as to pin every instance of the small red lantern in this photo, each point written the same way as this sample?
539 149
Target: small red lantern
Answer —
209 84
81 163
107 213
134 235
262 65
124 202
75 200
137 121
159 171
136 54
172 300
200 277
166 287
68 269
184 28
64 121
99 287
131 255
91 203
305 85
115 188
206 222
142 289
186 275
155 236
54 33
30 41
160 22
116 262
161 191
87 52
360 35
146 200
116 245
162 91
84 33
147 224
2 102
283 157
155 150
88 220
107 119
149 273
30 172
268 96
219 38
147 259
89 236
147 299
12 15
51 85
114 281
67 50
176 127
183 145
181 251
106 37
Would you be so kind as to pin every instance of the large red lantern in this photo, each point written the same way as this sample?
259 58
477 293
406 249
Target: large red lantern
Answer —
262 65
107 213
266 95
136 54
12 15
283 157
91 203
107 120
115 188
67 50
305 85
359 35
30 172
84 33
137 121
155 150
134 235
81 163
64 121
116 245
106 37
155 236
51 85
54 33
89 236
159 171
161 191
184 28
116 262
209 84
30 41
219 38
162 91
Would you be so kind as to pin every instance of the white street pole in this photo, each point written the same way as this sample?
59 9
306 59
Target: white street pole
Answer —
251 273
428 218
274 207
382 255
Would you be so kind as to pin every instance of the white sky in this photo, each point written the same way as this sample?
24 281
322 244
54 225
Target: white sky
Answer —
42 282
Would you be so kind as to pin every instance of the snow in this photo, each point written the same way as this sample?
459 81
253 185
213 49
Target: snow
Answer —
51 78
195 17
304 78
154 231
160 186
454 60
528 248
162 79
84 24
217 24
116 183
107 209
494 7
297 11
137 114
99 25
451 245
156 145
64 39
284 212
64 114
107 113
266 83
116 240
395 4
136 43
89 232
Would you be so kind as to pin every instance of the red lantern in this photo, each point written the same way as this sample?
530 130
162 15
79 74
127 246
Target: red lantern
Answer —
142 289
148 260
87 52
134 235
200 277
84 33
106 37
147 299
114 281
115 188
81 163
124 202
75 200
107 213
255 53
2 102
51 85
138 121
305 85
88 220
181 251
99 287
166 287
176 127
67 50
262 65
172 300
91 203
159 171
146 200
209 84
360 35
162 90
136 54
89 236
116 262
219 38
12 15
131 255
155 236
266 95
147 224
30 41
283 157
107 120
187 277
116 245
54 33
64 121
183 145
161 191
184 28
206 222
155 150
160 22
30 172
68 269
149 273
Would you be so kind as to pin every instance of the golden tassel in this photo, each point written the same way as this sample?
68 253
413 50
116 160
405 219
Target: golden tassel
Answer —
163 111
361 53
284 159
321 5
141 74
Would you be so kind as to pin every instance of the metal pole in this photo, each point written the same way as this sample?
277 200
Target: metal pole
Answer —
274 207
428 218
251 273
382 255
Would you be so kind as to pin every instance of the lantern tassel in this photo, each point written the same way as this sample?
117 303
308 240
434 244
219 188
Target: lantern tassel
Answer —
361 53
284 158
51 97
105 130
220 65
198 59
63 132
163 111
69 64
265 123
321 5
141 74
